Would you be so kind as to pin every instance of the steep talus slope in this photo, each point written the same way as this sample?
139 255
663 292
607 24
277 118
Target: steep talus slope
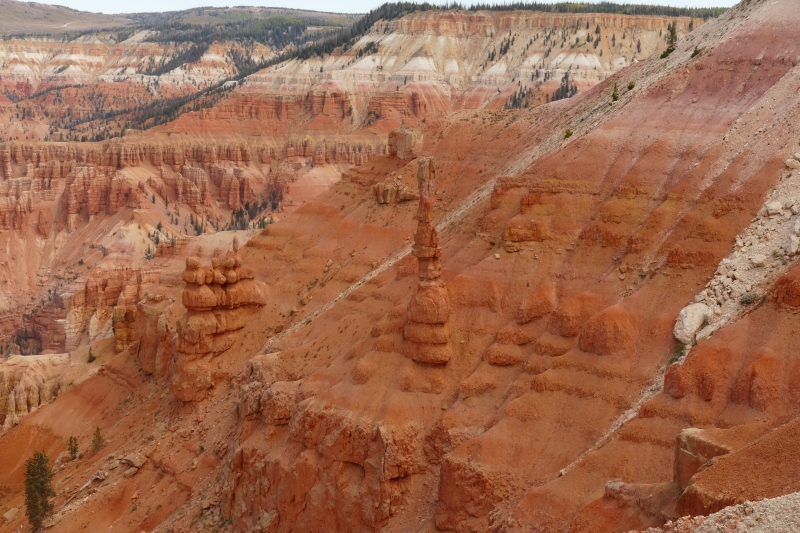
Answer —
486 346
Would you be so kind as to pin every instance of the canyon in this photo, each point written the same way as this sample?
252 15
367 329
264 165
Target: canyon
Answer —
405 286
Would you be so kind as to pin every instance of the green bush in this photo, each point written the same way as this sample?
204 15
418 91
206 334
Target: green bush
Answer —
568 134
677 353
92 358
749 298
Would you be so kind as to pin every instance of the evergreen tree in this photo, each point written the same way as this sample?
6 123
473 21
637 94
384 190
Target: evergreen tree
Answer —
97 441
91 355
73 448
615 94
673 38
38 489
566 90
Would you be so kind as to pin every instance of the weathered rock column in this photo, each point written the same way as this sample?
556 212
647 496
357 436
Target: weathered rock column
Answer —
123 318
220 300
426 326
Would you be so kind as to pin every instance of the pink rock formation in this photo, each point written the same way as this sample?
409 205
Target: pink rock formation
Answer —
220 300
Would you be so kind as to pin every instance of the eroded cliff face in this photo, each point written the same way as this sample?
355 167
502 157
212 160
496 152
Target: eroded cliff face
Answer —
426 65
28 383
49 84
500 354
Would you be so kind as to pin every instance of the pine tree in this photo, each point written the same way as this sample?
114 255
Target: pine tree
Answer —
615 94
91 355
673 38
38 489
97 441
73 448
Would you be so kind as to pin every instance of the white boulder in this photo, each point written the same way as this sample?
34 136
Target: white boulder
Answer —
690 320
706 332
774 208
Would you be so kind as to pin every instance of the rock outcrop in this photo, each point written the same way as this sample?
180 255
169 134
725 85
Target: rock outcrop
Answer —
426 332
28 382
394 191
405 143
123 318
220 300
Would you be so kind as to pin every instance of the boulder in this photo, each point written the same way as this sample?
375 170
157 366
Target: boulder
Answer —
705 333
690 320
774 208
10 515
794 164
136 461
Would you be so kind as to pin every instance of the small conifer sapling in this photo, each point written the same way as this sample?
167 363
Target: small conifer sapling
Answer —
97 440
73 448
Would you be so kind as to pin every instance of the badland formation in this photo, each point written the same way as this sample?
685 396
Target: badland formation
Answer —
422 270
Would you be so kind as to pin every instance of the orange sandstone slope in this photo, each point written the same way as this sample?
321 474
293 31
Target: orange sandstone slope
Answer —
497 374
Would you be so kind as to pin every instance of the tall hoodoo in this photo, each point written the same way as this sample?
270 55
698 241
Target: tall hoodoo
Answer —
429 309
220 300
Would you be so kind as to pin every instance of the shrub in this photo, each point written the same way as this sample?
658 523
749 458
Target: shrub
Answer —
92 358
677 353
73 448
615 94
97 441
697 51
38 489
568 134
749 298
631 85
